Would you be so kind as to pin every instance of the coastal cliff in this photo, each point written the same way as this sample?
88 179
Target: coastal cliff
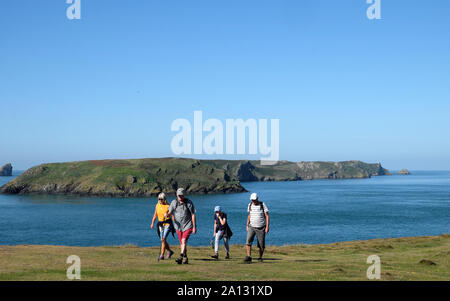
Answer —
148 177
248 171
6 170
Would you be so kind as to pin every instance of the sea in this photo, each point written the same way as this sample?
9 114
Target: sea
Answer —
301 212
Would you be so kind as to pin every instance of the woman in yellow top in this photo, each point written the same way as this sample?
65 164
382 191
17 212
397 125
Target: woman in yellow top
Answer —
165 225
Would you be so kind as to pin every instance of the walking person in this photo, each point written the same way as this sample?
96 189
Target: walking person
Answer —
183 212
164 226
221 230
257 225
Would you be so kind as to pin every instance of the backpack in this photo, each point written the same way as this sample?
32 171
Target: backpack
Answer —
186 200
262 206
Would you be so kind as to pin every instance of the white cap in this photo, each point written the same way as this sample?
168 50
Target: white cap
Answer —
253 196
180 191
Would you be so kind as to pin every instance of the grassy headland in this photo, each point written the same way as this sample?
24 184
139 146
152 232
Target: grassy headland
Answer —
410 258
148 177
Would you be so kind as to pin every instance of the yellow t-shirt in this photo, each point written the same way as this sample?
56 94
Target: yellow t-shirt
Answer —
160 211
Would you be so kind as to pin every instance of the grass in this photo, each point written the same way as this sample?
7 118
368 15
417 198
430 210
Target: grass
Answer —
409 258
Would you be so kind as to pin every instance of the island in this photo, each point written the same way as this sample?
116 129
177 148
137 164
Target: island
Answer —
149 177
6 170
404 172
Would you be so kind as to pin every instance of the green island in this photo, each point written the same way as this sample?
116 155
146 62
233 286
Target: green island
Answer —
148 177
409 258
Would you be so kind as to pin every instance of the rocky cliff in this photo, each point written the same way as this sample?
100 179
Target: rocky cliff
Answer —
6 170
247 171
148 177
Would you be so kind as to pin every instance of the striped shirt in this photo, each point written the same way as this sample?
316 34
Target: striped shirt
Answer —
257 216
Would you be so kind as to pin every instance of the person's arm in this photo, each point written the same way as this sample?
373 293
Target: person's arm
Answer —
191 207
153 220
215 227
248 221
169 212
267 222
223 221
194 229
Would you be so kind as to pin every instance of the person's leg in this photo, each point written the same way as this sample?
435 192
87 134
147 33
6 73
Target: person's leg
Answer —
250 237
261 252
261 237
226 244
185 239
217 241
183 247
249 251
163 246
169 251
167 246
180 238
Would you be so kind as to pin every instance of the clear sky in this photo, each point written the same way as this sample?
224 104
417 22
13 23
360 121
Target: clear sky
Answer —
109 85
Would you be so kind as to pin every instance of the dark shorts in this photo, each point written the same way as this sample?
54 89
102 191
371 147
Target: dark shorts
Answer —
184 234
260 234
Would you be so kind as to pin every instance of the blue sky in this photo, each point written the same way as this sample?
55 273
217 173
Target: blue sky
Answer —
110 85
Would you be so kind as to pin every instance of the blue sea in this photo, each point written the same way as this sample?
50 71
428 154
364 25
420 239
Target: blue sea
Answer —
302 212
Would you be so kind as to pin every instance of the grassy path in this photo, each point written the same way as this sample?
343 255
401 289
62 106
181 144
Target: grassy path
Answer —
411 258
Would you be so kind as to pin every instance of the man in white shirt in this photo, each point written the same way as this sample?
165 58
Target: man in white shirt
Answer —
257 225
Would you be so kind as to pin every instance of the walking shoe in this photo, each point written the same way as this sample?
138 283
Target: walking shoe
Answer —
260 259
215 256
179 260
169 254
161 257
227 256
248 259
185 260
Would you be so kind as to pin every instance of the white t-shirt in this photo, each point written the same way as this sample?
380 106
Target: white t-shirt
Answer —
257 215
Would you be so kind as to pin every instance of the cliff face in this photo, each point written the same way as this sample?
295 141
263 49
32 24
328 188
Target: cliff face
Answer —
6 170
247 171
149 177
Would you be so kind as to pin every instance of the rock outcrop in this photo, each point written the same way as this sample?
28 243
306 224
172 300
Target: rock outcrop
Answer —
6 170
149 177
404 172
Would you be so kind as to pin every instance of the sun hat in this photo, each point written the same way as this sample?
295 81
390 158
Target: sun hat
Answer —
253 196
180 191
217 208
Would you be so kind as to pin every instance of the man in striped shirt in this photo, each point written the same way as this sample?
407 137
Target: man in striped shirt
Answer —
257 225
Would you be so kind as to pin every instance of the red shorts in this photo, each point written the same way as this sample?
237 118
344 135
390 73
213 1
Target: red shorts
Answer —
184 234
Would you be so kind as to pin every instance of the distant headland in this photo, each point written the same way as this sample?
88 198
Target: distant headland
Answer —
149 177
